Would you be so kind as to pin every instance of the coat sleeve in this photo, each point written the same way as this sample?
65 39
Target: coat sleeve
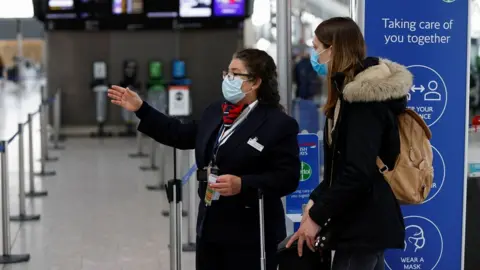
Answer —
283 166
166 130
363 132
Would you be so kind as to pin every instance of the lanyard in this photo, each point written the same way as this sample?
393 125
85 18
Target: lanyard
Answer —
224 134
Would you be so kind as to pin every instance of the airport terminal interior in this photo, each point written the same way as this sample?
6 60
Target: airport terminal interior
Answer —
82 189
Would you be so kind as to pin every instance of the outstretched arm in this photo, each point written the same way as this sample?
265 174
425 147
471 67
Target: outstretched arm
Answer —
163 129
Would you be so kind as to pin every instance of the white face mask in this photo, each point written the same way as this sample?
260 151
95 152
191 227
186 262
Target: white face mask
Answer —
232 90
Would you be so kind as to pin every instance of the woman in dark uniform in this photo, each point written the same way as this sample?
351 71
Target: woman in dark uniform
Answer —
247 143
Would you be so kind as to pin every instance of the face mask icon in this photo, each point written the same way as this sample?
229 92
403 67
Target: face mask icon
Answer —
415 238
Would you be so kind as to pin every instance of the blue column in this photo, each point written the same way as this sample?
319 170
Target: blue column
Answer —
431 38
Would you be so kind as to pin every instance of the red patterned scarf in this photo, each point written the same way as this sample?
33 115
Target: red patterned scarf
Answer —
231 113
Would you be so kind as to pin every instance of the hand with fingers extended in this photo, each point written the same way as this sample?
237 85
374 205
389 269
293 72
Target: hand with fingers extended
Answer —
306 234
125 98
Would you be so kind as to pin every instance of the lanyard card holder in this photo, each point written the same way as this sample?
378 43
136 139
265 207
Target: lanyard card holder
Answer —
210 194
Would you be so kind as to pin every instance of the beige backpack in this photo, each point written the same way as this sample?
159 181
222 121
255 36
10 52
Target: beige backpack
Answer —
412 177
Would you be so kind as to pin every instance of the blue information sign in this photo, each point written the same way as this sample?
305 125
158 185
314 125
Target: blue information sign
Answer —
431 38
309 173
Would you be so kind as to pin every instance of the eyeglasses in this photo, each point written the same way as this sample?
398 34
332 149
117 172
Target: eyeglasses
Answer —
231 75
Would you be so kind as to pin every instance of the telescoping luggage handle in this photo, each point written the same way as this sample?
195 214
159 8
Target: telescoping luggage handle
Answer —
263 260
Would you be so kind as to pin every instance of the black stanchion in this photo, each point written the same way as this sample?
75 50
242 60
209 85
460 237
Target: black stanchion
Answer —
22 216
166 213
7 257
32 192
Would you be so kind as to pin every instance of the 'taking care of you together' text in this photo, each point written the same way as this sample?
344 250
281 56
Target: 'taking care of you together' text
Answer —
429 31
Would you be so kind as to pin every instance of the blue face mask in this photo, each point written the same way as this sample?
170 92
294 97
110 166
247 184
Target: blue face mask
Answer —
321 69
232 90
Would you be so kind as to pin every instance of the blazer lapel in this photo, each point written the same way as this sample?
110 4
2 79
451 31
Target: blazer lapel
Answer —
210 127
246 129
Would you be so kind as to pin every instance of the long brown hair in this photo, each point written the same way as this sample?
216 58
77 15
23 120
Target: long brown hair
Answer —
2 64
344 37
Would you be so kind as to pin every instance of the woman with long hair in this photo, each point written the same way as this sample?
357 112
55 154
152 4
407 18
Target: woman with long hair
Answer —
354 208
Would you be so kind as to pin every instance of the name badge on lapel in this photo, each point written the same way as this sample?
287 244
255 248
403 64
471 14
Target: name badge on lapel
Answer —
254 143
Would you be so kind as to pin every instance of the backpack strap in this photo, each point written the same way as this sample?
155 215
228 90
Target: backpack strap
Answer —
420 121
382 168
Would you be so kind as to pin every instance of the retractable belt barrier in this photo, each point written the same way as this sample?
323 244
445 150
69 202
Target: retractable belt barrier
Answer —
6 257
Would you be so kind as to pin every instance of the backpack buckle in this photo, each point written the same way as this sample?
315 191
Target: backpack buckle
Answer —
384 169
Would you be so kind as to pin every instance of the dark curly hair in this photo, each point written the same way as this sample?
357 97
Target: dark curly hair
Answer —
261 65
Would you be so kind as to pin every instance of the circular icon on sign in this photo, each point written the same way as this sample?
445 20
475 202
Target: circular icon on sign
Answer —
305 171
178 96
439 172
428 95
423 246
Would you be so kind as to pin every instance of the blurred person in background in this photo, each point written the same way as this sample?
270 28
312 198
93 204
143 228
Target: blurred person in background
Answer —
245 143
309 84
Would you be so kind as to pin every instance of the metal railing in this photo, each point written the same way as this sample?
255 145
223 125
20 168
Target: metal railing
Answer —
7 257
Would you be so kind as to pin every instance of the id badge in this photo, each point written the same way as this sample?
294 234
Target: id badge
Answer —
210 194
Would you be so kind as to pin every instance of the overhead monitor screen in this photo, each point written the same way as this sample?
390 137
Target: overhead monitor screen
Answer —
127 7
229 8
61 9
195 8
161 8
60 5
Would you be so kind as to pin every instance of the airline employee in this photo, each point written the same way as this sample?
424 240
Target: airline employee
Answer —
246 142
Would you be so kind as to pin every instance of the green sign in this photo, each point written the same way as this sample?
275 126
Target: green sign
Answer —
305 172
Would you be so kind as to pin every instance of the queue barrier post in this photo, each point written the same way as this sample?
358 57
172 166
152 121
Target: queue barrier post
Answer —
32 192
22 216
44 110
7 257
174 196
177 162
57 120
153 154
44 145
191 246
161 174
139 153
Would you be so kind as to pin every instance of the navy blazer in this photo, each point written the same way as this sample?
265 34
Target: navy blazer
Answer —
275 170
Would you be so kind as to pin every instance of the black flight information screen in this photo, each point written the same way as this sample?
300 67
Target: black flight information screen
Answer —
161 8
93 9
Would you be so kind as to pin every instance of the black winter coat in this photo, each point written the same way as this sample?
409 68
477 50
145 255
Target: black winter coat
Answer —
354 202
275 169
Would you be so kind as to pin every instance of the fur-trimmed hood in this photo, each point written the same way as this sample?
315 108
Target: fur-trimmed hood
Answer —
383 82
